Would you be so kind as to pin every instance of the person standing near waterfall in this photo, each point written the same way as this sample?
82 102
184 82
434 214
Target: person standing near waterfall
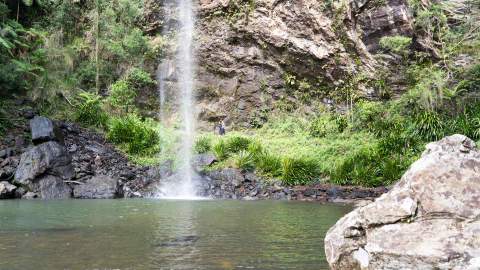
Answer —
221 128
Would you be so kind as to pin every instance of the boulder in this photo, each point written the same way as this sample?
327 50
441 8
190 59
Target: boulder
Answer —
44 130
51 187
46 158
7 190
199 162
428 220
98 187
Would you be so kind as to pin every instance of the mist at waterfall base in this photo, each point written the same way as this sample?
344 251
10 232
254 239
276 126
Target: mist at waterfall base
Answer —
183 187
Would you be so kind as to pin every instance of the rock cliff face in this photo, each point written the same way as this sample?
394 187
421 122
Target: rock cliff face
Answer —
429 220
253 54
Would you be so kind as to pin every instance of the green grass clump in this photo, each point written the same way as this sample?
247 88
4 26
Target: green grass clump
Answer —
269 165
220 150
138 136
299 171
203 145
244 160
236 144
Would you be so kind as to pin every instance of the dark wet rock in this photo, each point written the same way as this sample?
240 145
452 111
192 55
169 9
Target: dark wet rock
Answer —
46 158
428 220
228 175
29 113
179 241
98 187
7 190
7 152
19 192
44 130
8 167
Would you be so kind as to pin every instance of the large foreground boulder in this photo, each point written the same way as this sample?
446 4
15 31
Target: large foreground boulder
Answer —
43 169
429 220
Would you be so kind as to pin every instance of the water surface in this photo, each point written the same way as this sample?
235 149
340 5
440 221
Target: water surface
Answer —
155 234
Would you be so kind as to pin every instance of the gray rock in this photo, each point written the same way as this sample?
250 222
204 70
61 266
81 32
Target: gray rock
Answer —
43 130
428 220
7 190
5 153
46 158
228 176
30 196
98 187
52 187
199 162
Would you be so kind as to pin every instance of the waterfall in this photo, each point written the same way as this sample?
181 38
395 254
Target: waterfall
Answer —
183 186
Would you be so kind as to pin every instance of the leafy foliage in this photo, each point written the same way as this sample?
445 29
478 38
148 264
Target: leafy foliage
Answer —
122 95
137 135
89 110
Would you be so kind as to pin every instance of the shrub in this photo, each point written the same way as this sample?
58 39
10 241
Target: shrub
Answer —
244 160
138 78
89 111
268 164
203 145
236 144
140 137
367 114
220 150
322 126
122 95
299 171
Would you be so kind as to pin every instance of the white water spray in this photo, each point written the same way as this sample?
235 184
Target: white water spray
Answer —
183 187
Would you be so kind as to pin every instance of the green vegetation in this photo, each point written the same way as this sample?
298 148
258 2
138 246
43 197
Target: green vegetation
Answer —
136 134
396 44
203 144
84 61
89 110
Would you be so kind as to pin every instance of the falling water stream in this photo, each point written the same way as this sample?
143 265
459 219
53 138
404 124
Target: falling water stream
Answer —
183 187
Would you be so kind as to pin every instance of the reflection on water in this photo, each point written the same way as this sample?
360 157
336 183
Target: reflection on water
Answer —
150 234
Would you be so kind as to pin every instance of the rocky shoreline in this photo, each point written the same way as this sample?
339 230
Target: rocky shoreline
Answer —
40 158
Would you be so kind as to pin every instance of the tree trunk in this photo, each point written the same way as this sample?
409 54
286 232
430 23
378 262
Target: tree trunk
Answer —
97 47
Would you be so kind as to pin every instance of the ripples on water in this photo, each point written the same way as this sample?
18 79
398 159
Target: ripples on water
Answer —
150 234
